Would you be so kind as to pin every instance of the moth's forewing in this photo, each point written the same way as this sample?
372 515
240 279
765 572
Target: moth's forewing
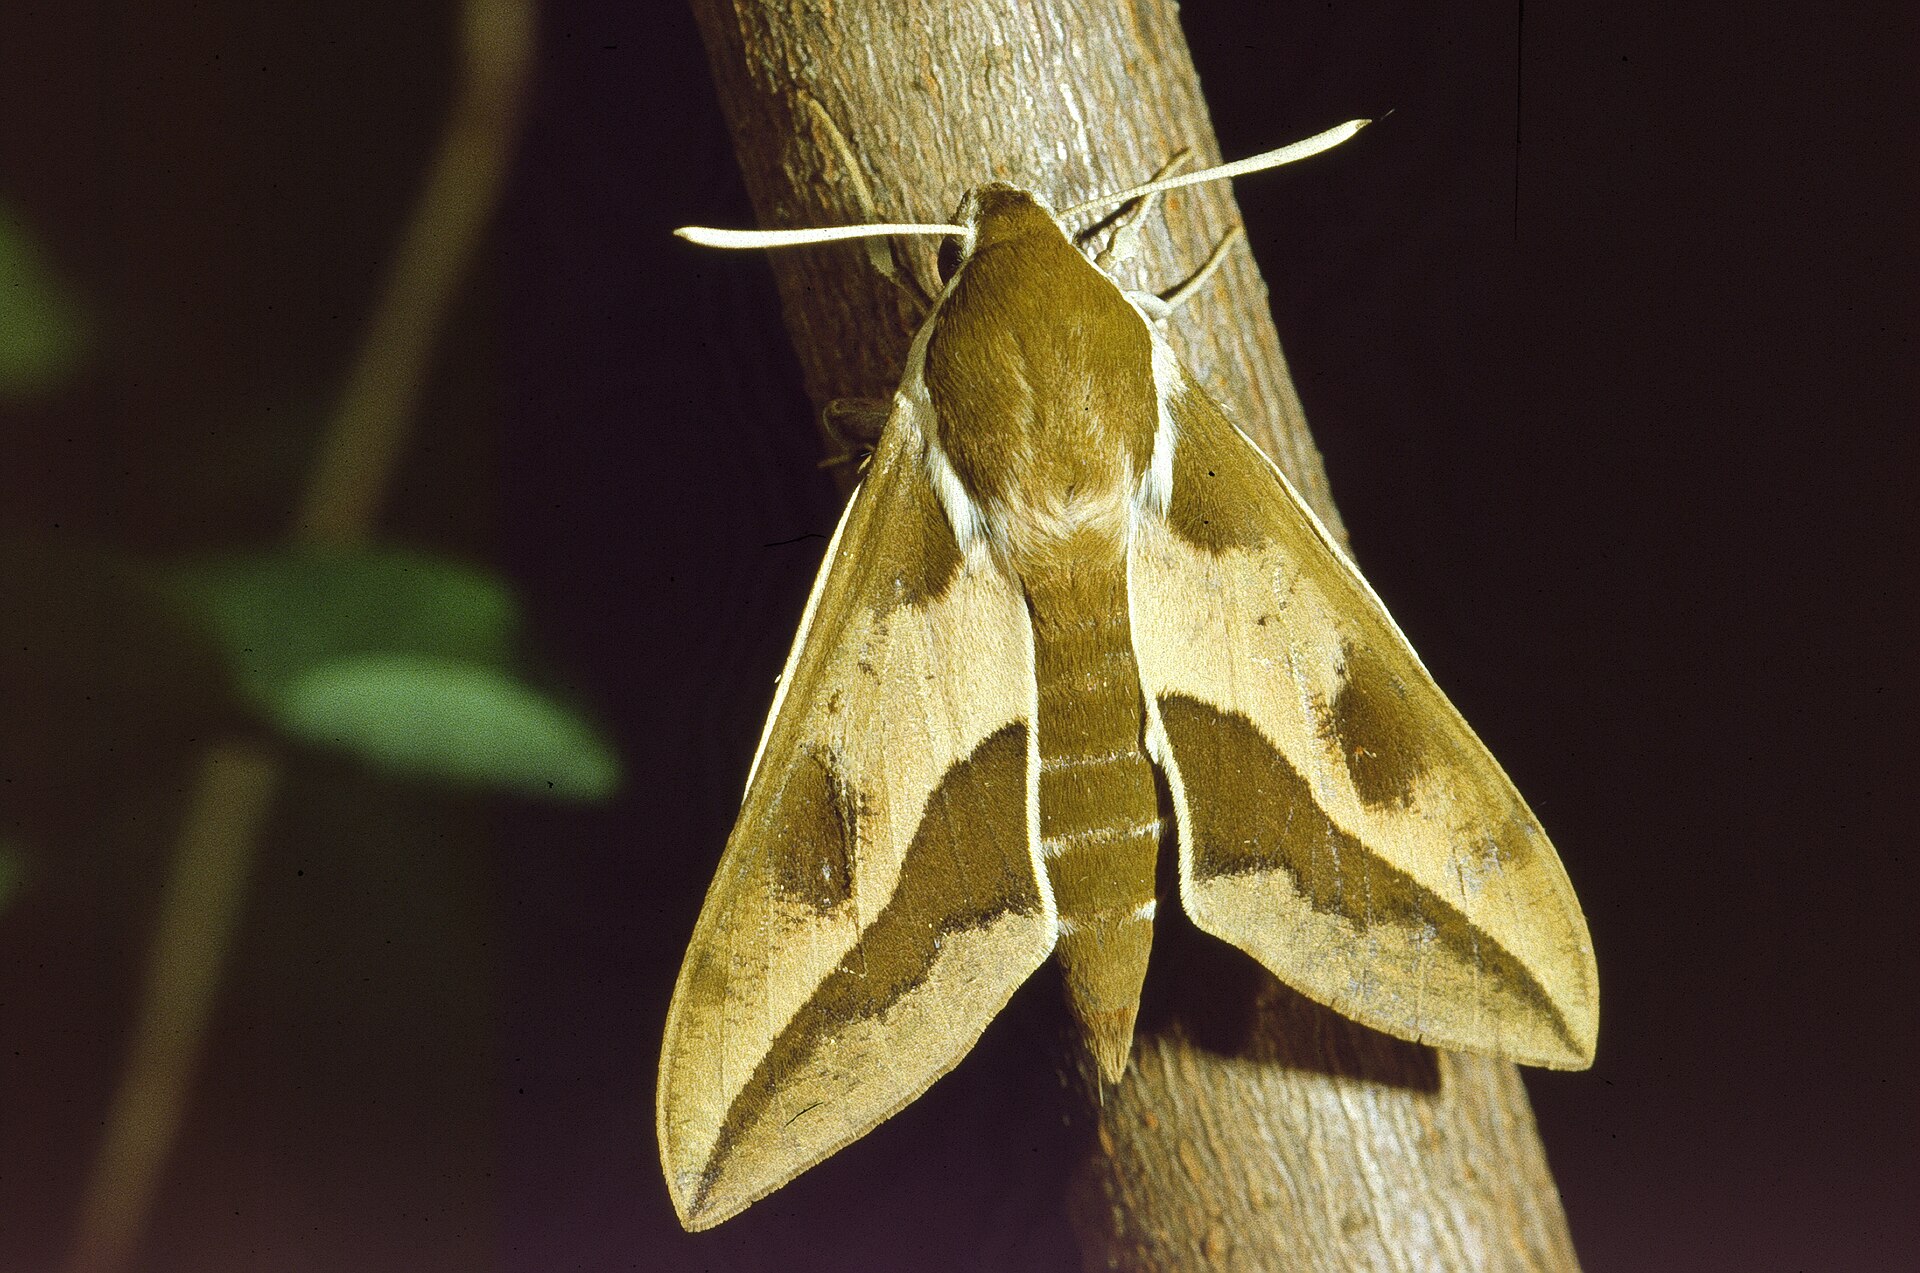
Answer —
879 899
1337 818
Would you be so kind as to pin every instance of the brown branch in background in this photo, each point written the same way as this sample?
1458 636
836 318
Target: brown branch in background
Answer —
1255 1130
375 416
237 779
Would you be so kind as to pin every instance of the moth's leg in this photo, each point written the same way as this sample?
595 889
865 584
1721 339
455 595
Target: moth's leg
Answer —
880 256
1159 308
1124 240
879 251
852 426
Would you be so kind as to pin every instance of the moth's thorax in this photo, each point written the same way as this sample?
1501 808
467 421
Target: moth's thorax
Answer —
1040 377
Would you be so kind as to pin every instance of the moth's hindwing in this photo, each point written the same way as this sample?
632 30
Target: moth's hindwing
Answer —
880 897
1337 818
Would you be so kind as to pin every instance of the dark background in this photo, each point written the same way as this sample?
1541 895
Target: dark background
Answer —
1606 335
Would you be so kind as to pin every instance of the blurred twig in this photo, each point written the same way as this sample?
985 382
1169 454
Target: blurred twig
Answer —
348 485
237 779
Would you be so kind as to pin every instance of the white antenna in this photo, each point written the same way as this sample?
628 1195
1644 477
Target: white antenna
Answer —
706 236
1239 168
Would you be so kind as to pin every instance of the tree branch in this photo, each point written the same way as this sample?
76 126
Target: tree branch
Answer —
1255 1130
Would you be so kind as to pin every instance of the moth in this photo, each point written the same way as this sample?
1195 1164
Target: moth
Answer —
1064 569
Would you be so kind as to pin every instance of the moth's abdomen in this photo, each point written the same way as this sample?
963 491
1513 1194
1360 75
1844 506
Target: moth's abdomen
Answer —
1099 814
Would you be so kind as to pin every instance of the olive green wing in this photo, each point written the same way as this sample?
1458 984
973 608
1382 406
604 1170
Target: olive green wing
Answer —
1338 820
880 897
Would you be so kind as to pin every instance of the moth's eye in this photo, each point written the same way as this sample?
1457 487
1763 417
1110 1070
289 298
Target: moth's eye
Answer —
949 257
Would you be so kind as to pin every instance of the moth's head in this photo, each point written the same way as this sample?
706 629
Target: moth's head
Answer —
994 215
997 212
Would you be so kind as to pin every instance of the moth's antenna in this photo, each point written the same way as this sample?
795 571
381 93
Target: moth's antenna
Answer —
708 237
1239 168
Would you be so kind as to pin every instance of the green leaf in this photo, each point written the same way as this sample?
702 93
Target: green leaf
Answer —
42 332
279 615
404 659
460 722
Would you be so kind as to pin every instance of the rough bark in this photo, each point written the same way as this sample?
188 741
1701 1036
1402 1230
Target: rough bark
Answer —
1255 1130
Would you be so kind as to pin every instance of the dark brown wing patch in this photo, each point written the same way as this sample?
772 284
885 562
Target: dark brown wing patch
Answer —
917 559
1212 478
817 819
1376 734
